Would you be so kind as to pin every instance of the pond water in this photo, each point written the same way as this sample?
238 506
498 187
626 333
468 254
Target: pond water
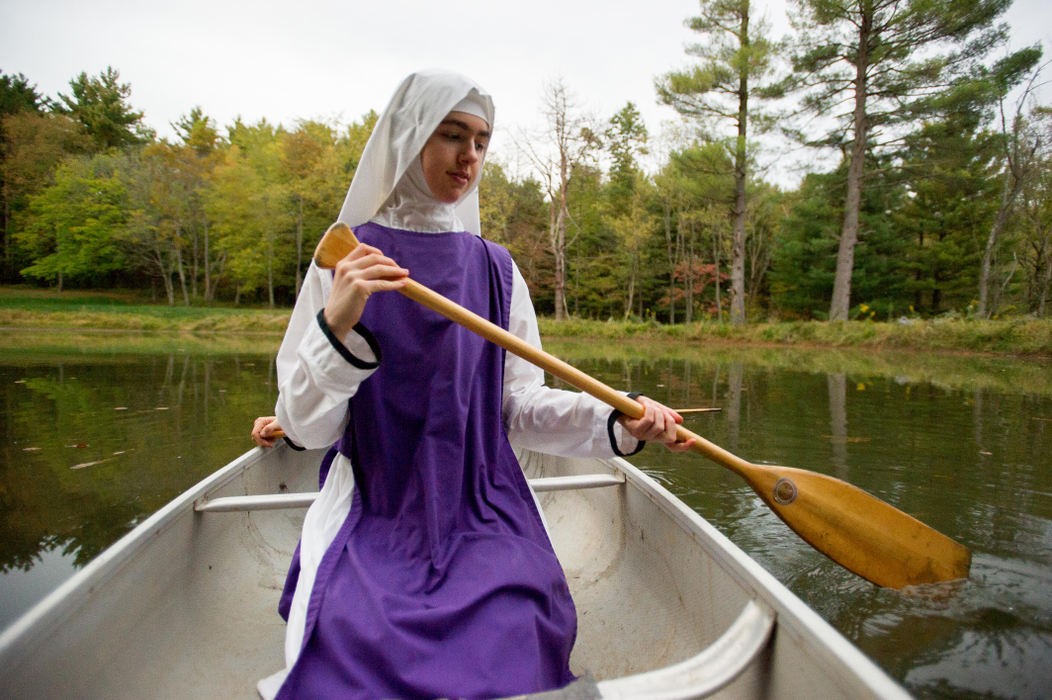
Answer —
100 430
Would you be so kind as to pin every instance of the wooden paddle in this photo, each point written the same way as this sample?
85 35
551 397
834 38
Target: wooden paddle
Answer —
853 528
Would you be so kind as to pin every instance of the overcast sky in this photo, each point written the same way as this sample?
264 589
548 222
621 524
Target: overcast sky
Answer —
332 59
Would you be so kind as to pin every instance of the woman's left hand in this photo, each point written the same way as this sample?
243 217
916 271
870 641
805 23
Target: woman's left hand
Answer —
657 424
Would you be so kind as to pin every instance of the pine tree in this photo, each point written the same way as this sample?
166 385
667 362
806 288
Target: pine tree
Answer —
735 60
885 58
100 105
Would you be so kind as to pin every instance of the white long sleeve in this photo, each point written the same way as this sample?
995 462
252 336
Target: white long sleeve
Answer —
315 381
543 419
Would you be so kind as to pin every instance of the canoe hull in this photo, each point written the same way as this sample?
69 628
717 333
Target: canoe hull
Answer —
185 605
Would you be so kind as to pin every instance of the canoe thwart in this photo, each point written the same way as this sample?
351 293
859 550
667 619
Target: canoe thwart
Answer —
706 672
275 501
272 501
577 481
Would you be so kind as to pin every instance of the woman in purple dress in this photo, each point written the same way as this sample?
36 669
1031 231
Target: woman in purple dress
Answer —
424 568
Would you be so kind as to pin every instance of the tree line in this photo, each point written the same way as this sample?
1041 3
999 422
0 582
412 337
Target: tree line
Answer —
938 204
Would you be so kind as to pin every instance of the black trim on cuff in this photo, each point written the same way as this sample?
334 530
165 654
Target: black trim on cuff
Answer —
614 415
342 349
293 445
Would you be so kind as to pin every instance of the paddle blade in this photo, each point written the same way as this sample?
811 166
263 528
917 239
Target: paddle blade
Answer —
334 245
858 530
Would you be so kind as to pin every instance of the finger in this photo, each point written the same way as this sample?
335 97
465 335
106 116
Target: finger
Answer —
371 267
374 260
640 427
381 276
262 442
658 429
681 446
362 250
365 256
671 424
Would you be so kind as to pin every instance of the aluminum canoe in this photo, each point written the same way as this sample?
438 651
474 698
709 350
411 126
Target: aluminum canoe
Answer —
184 606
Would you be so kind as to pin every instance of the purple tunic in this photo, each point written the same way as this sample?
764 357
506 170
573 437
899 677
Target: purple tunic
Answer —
441 581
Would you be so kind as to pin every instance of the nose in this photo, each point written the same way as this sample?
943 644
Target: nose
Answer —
468 154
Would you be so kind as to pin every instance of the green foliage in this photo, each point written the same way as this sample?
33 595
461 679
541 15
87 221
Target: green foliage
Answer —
214 215
894 63
1032 231
69 237
951 198
804 256
735 59
23 165
626 139
905 49
100 105
245 209
18 95
514 214
720 93
198 131
33 146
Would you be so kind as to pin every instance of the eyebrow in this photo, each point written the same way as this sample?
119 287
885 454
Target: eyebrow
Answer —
464 125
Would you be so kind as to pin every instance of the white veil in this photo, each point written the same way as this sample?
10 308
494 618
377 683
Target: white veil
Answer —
416 109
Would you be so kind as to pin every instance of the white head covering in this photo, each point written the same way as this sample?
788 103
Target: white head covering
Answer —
388 184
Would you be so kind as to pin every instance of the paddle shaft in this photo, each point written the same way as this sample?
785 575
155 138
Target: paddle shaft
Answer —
281 433
557 368
857 530
339 240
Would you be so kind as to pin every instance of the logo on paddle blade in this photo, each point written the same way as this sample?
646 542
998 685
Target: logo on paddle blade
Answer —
784 491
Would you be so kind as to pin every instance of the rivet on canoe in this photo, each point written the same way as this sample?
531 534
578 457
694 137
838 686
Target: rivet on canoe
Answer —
784 491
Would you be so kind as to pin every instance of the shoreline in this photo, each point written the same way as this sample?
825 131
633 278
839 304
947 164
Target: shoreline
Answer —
1019 336
965 369
1020 339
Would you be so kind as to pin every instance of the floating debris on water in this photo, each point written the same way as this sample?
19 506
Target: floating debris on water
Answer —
90 464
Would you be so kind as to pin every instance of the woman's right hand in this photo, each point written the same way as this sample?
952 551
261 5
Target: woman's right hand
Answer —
263 431
360 273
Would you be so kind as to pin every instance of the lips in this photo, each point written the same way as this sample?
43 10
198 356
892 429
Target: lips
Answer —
460 177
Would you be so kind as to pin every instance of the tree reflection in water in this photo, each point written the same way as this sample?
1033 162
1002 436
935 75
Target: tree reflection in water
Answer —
98 435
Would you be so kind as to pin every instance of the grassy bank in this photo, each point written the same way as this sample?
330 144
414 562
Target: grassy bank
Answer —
25 308
22 307
1019 336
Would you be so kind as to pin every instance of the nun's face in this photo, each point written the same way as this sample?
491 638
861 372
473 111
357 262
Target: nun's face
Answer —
452 157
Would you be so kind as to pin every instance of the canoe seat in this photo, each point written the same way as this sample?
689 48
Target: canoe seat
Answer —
274 501
706 672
